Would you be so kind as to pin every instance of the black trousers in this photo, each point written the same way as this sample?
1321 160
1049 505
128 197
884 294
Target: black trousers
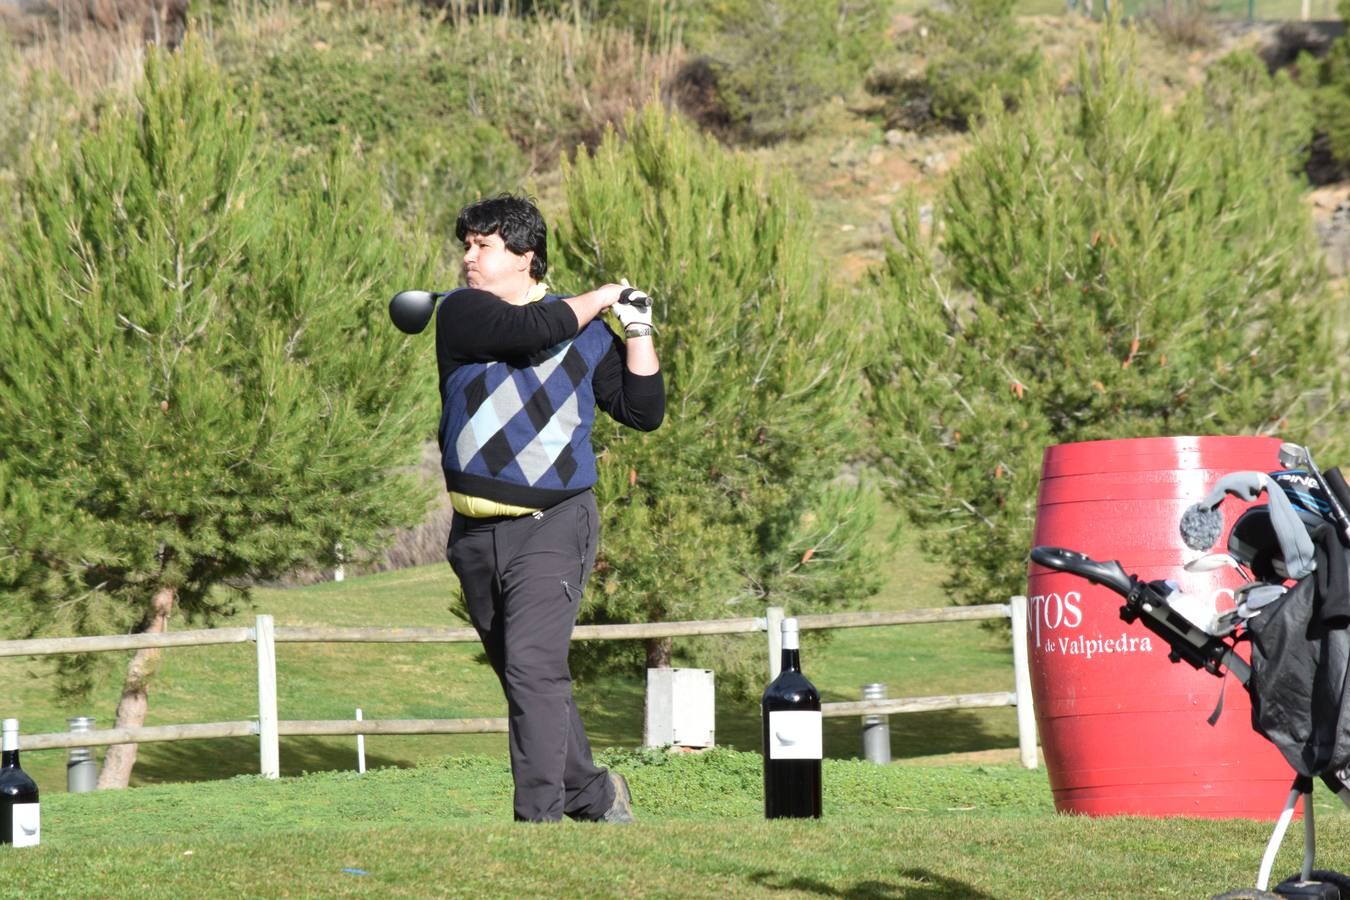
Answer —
522 579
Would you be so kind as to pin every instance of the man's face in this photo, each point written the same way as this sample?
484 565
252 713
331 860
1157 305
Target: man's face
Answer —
490 266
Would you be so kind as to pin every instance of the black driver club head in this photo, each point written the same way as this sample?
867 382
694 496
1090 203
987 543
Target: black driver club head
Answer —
412 310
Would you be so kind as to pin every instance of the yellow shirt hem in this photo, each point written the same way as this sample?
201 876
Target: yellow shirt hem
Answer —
482 508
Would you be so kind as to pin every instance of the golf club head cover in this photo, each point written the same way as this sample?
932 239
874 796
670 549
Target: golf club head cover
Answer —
1200 526
412 310
1295 545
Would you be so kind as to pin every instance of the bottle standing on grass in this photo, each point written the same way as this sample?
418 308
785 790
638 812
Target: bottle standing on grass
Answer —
790 711
19 824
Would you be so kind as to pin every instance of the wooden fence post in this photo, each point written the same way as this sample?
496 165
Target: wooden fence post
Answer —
269 744
1026 713
773 615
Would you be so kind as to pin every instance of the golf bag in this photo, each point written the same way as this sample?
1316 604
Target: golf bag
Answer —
1294 614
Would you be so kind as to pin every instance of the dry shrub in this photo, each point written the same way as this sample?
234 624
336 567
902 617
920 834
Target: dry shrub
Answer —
161 22
425 542
1182 23
420 545
91 61
556 85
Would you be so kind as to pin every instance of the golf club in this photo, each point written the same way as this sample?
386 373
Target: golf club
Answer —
641 301
1211 561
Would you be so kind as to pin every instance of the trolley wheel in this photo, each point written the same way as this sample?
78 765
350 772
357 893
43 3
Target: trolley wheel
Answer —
1327 876
1322 885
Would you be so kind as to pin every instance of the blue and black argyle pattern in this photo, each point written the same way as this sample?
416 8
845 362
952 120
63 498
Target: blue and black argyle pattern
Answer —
519 432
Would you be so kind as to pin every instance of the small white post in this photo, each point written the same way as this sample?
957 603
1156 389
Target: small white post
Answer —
774 616
1026 712
360 747
340 572
269 749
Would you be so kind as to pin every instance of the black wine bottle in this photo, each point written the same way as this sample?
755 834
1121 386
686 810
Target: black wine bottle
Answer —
19 822
790 711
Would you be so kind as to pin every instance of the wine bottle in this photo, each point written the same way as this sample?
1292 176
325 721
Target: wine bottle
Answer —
19 823
790 711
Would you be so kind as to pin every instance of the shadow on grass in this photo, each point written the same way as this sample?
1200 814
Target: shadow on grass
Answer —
161 763
930 887
612 709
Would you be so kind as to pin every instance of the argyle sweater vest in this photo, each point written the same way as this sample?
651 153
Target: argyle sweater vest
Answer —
519 432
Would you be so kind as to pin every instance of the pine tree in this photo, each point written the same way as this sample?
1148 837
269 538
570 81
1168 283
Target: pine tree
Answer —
1330 78
778 61
739 499
1100 267
977 49
200 383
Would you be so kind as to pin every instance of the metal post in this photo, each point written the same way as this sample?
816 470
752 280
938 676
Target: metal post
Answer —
1026 712
774 616
1309 839
81 770
360 747
876 730
269 743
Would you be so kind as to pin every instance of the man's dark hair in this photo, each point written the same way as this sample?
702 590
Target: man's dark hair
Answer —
516 219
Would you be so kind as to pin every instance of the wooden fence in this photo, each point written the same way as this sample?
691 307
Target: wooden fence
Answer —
265 635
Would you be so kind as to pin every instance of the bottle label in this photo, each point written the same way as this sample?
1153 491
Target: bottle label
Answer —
27 829
795 734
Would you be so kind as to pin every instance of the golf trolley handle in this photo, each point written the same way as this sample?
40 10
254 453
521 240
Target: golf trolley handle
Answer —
1107 574
1146 602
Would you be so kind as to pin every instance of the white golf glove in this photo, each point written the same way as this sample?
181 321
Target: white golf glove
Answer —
634 306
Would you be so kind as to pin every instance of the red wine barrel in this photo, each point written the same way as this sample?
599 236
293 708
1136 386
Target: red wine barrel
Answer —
1123 729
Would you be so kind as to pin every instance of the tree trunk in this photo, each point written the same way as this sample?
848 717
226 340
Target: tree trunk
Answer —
116 772
658 652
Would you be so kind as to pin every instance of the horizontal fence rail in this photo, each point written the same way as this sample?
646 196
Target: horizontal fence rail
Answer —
269 728
383 635
144 735
102 643
249 728
905 617
393 726
918 704
318 634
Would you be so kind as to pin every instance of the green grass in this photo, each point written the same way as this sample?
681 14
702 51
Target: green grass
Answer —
442 830
329 681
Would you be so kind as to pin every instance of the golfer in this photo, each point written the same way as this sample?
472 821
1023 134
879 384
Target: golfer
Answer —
522 371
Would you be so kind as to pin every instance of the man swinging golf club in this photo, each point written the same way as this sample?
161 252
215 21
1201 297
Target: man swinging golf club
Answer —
521 372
